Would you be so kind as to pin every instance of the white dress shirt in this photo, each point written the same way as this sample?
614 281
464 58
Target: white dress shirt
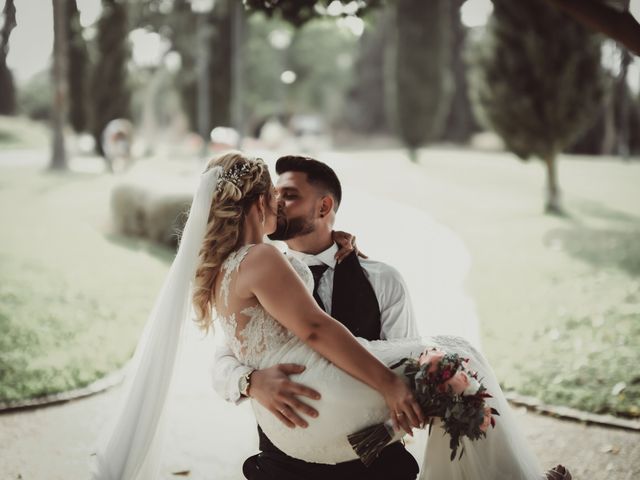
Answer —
397 318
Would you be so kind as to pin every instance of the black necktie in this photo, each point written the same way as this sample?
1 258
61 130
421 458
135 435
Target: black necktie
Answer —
317 271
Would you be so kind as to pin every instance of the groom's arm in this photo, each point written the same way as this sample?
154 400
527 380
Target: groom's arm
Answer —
271 386
226 372
397 317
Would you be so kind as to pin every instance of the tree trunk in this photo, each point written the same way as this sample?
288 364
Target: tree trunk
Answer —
609 133
77 69
553 204
460 124
623 101
7 87
203 104
239 19
60 85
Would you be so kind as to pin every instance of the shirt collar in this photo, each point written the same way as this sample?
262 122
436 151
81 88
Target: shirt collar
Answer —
326 257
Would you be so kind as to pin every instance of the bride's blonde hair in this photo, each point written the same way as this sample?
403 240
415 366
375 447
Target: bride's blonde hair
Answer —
232 199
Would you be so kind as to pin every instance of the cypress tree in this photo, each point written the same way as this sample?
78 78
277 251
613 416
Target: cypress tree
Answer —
110 94
423 77
460 123
537 82
7 87
366 110
60 107
219 21
220 65
78 63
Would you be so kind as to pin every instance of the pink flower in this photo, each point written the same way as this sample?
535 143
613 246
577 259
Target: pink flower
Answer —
431 358
487 421
458 383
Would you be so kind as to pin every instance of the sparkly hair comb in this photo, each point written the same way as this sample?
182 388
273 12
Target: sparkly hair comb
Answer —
234 175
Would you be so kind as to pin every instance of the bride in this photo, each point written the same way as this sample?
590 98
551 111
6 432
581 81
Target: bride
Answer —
263 303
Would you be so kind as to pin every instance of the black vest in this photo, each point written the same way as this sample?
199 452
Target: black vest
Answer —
354 303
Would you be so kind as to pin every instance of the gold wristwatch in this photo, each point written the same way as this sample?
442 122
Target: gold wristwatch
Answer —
245 383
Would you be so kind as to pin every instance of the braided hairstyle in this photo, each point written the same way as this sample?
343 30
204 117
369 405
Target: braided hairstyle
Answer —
231 201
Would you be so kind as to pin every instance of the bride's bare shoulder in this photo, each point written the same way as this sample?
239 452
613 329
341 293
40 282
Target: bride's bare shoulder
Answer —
264 251
263 257
263 264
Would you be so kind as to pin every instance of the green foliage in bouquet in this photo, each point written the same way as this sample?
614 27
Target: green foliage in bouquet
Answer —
445 388
462 415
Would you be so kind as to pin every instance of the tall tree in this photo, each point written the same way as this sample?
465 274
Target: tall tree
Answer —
7 87
60 85
110 93
537 81
623 104
182 28
367 109
423 70
460 123
78 67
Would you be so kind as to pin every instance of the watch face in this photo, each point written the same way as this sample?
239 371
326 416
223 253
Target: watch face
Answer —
244 384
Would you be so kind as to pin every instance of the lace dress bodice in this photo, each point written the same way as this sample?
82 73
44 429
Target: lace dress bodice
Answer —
250 331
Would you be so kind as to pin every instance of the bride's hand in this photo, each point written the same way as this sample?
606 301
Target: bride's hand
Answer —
405 411
347 244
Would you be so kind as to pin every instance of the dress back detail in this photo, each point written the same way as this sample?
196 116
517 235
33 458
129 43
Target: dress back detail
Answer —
250 331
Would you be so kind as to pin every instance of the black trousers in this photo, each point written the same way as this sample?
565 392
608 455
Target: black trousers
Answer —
394 463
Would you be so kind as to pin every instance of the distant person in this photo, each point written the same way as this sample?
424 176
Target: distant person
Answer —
117 138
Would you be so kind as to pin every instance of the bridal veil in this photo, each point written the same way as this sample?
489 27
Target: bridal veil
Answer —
130 445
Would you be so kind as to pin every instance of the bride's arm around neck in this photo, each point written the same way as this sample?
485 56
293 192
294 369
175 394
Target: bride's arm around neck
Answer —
267 275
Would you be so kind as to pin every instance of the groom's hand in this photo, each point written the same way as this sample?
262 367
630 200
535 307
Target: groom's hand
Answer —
278 394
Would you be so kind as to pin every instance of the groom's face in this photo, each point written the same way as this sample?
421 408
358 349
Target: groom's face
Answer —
298 206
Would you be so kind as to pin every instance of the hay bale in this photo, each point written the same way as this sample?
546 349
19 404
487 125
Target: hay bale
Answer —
155 209
165 216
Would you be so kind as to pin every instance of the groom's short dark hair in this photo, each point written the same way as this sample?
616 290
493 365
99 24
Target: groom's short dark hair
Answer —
318 174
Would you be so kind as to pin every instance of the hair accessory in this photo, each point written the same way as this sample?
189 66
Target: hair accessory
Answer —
234 175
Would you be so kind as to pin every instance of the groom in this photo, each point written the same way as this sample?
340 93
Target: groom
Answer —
368 297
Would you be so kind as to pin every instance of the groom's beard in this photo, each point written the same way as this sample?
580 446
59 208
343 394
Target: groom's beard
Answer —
287 228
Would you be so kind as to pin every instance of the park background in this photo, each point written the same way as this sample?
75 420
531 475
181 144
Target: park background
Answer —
489 151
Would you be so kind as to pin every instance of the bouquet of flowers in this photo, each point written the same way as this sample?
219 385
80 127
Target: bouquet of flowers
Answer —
444 387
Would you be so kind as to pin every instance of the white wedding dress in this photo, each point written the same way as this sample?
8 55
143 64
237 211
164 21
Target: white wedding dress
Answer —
348 405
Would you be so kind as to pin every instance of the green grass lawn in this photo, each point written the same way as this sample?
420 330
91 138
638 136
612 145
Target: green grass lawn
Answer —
20 132
558 298
73 296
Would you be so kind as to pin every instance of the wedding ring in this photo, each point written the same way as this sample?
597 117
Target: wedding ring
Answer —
399 414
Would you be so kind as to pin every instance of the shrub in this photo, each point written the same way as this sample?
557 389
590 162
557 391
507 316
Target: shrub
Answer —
154 212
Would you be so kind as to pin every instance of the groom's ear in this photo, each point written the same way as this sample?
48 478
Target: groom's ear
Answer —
326 206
